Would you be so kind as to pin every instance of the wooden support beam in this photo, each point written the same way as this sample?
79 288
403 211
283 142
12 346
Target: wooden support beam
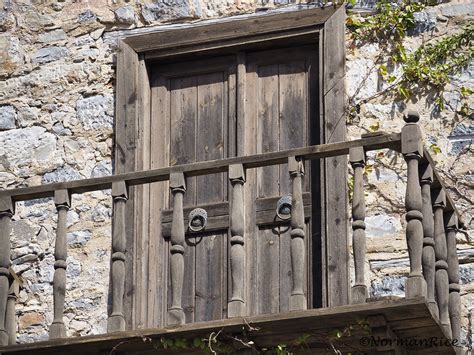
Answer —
116 321
359 292
7 209
429 259
297 246
441 253
453 276
178 188
236 306
62 202
412 150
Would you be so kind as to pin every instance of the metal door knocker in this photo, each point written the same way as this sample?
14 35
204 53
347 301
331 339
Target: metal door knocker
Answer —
197 219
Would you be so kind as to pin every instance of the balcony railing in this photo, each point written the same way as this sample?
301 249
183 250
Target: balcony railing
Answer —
432 221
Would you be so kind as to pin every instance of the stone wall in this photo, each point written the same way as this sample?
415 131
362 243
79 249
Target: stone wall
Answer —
56 124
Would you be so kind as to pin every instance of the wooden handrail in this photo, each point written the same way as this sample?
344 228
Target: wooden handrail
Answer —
385 140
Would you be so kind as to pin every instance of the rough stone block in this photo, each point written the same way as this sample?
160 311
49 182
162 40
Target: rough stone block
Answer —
49 54
125 15
7 117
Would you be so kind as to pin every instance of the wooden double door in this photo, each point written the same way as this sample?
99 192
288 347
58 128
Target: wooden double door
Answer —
223 106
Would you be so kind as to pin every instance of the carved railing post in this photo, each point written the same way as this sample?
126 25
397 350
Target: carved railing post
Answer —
10 324
441 253
236 306
412 150
453 276
426 179
7 209
63 203
359 290
178 188
116 321
297 246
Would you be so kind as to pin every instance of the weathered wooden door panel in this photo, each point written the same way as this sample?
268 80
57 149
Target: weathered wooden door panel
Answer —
196 127
278 84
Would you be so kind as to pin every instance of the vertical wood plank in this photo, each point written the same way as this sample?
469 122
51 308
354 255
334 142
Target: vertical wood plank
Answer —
127 119
116 321
332 61
7 209
297 247
247 77
268 182
359 290
142 196
293 133
178 188
183 127
212 111
429 259
412 150
159 197
63 203
441 253
453 276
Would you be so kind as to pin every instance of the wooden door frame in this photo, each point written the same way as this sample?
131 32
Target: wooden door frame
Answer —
132 126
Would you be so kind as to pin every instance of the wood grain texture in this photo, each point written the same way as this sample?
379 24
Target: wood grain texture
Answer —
429 259
359 292
7 209
441 253
332 59
454 304
62 203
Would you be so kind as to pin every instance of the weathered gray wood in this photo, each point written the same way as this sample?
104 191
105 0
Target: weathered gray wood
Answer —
453 276
216 33
429 259
178 188
62 202
334 172
7 209
236 305
412 150
298 253
359 292
441 253
116 320
391 141
10 318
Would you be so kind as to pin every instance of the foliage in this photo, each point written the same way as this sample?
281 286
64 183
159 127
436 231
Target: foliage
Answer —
429 67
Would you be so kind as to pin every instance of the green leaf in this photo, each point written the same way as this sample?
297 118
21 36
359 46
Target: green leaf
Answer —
374 127
435 149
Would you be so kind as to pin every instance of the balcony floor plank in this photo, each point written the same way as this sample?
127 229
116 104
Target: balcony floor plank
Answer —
409 319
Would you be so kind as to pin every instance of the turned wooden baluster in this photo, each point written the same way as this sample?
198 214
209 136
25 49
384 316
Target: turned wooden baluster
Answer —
359 290
7 209
441 253
453 275
10 324
116 321
426 179
236 306
297 246
178 188
63 203
412 150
